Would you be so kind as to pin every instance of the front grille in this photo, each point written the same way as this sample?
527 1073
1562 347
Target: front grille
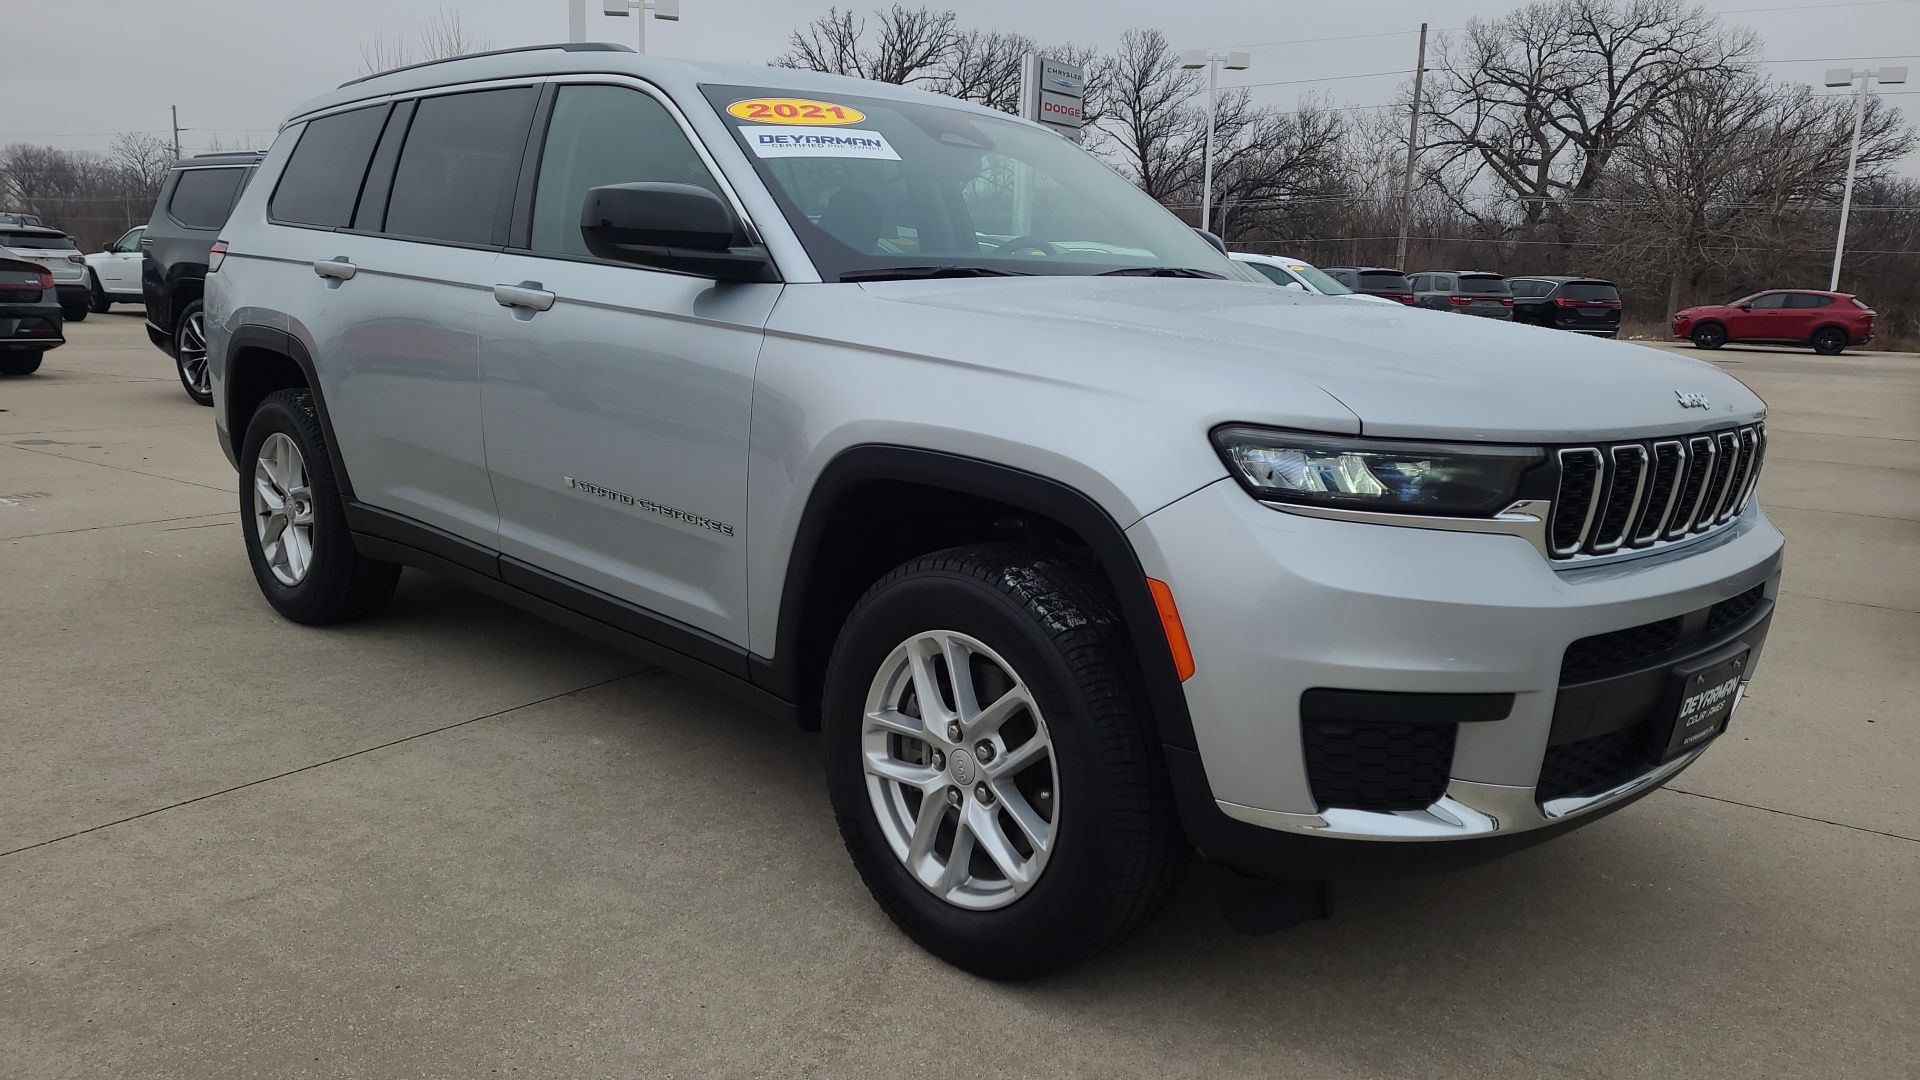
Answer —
1377 766
1619 647
1730 611
1591 766
1638 495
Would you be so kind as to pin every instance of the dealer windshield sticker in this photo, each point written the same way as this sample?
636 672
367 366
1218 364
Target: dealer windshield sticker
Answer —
795 111
802 142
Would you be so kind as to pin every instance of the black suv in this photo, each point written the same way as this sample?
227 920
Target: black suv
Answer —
1469 292
1374 281
193 206
1582 305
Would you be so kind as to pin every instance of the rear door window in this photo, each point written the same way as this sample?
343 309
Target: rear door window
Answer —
1808 300
202 198
457 171
602 135
322 180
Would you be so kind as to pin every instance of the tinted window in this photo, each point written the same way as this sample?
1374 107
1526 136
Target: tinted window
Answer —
1808 300
1770 300
130 242
202 197
1384 281
1271 273
603 135
457 171
1589 290
1483 286
37 241
323 177
1525 287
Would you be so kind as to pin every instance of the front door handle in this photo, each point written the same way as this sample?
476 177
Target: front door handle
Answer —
337 268
527 294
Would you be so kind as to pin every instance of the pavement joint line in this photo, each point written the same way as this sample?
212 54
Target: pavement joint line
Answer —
119 525
1847 513
1804 431
1791 814
119 468
117 428
329 761
1855 603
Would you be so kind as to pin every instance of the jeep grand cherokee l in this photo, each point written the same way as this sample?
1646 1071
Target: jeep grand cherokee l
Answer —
915 423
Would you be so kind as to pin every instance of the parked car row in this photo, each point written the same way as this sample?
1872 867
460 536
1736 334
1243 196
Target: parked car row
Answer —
1582 305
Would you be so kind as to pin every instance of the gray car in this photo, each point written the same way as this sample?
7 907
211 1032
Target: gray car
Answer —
912 422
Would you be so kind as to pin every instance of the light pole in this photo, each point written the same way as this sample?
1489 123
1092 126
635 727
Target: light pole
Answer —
1888 76
662 9
1212 59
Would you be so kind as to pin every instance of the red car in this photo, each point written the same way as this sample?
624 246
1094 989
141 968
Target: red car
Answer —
1827 321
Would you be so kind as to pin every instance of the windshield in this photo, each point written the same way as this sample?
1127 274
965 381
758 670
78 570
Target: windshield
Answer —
870 184
39 241
1318 279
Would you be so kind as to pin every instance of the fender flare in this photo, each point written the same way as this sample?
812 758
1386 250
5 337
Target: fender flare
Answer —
1015 487
273 340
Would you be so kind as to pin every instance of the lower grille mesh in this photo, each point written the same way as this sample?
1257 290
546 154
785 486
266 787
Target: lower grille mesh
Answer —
1377 766
1591 766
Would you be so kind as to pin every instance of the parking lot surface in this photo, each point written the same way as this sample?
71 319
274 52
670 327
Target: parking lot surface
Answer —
456 841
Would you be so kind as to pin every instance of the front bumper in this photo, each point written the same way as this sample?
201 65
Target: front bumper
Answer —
1277 604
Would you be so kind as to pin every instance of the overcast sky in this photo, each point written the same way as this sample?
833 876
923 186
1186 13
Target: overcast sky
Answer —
76 72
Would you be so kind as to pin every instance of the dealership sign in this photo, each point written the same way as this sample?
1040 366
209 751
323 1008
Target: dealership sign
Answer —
1054 93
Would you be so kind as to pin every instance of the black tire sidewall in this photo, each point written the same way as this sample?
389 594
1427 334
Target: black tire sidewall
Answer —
1710 336
179 368
98 301
1829 342
332 543
21 362
1026 935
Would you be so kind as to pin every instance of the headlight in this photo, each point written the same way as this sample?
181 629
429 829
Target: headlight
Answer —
1382 475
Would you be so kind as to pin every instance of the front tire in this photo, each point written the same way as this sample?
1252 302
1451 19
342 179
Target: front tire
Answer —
1830 341
992 765
1709 336
75 312
295 523
190 354
21 363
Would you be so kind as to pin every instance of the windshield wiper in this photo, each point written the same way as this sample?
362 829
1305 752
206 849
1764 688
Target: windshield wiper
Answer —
914 273
1163 271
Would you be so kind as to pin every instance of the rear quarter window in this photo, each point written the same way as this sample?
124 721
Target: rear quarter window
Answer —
322 179
1808 300
202 198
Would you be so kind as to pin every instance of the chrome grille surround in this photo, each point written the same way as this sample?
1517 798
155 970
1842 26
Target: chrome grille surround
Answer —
1641 495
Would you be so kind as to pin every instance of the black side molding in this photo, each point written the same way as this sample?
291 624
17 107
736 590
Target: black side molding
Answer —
1386 707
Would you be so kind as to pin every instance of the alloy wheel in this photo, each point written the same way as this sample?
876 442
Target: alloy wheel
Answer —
960 769
192 353
283 509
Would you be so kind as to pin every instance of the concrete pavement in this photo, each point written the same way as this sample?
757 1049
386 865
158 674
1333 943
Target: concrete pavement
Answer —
455 841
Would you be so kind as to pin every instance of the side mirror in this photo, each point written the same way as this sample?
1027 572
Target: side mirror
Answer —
1218 244
1295 286
1745 307
672 227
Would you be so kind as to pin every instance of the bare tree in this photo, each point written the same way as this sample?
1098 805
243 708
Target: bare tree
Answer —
984 66
440 35
1151 128
1543 97
909 47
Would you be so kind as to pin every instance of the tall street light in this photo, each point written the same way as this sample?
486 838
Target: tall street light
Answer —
668 10
1886 76
1212 60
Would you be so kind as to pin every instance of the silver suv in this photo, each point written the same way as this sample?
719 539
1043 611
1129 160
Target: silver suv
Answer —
912 422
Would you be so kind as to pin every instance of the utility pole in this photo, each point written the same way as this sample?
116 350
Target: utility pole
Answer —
176 131
665 10
1846 77
1211 59
1413 151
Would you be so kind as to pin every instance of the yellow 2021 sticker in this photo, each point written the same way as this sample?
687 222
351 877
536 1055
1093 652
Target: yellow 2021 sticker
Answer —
795 111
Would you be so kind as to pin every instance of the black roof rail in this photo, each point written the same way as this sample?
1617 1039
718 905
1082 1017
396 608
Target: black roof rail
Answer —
563 46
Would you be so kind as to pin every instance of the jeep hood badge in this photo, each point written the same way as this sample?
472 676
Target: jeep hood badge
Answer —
1690 400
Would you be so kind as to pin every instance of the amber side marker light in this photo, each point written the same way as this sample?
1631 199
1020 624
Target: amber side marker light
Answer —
1170 623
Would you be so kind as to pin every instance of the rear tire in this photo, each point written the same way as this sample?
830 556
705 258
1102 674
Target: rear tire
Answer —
1071 839
295 523
75 312
1709 336
1829 341
190 354
21 363
98 301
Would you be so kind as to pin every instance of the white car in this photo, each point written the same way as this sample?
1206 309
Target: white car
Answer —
113 275
1300 275
57 252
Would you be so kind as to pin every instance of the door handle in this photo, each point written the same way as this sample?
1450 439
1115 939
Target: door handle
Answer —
337 268
527 294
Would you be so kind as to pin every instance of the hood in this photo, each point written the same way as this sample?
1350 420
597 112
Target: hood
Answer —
1249 352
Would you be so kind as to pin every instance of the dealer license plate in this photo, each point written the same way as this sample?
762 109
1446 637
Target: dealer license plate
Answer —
1707 695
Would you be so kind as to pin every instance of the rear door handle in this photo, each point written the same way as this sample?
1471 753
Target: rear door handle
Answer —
527 294
337 268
